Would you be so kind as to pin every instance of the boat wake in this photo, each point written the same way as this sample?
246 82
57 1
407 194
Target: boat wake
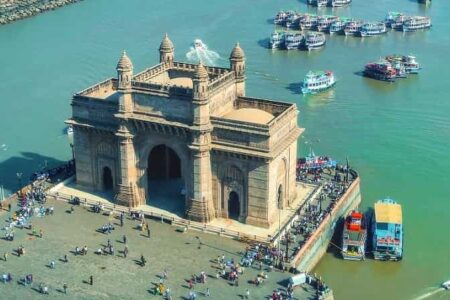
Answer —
430 294
199 52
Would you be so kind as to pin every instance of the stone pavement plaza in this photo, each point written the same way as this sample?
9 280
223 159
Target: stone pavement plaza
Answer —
116 277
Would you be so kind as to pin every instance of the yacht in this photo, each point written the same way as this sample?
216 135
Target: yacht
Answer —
372 29
416 23
314 40
293 40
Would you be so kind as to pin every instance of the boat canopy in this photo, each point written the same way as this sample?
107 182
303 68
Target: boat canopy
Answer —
388 213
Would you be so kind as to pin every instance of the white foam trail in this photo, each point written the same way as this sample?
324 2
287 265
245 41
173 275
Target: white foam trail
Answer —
429 294
202 54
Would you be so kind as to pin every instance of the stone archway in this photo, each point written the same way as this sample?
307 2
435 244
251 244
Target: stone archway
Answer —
165 182
234 206
107 179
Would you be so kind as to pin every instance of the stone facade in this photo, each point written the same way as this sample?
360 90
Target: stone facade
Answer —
236 155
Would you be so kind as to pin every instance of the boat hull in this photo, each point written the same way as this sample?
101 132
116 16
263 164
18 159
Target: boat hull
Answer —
306 91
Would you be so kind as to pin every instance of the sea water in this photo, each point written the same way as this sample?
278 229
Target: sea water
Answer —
396 135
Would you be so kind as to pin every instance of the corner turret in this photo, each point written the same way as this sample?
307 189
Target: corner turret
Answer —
237 65
166 50
200 95
124 72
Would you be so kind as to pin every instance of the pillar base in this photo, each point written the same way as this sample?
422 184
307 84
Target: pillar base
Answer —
127 196
257 222
199 211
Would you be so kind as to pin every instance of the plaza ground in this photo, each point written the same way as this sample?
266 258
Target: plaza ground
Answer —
116 277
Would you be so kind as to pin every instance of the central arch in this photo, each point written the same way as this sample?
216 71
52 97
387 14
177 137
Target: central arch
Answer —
165 181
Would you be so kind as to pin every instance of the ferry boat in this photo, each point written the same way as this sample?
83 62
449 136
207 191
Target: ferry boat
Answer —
276 40
416 23
198 44
308 22
321 3
354 237
280 18
408 62
314 40
315 82
338 26
353 27
340 3
387 230
314 162
397 24
372 29
293 40
324 22
390 17
292 21
381 70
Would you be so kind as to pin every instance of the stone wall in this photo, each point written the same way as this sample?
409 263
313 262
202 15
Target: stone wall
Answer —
13 10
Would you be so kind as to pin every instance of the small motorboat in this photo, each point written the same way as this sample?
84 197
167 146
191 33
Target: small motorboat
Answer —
69 130
446 285
198 44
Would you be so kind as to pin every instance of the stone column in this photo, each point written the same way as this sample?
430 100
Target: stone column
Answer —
201 207
127 191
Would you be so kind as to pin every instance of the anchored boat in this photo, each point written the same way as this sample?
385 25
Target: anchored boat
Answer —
353 27
314 40
340 3
354 237
387 225
381 70
372 29
446 285
293 40
324 22
308 22
416 23
276 40
315 82
338 26
406 62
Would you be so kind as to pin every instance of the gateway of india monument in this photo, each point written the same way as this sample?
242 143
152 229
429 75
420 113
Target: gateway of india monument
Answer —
227 155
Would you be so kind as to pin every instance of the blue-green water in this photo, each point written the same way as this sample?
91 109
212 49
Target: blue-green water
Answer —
396 135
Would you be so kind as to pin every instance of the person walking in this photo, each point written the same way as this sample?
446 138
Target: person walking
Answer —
125 251
66 260
148 232
9 206
52 264
124 238
208 292
91 280
5 256
65 288
247 294
143 261
41 233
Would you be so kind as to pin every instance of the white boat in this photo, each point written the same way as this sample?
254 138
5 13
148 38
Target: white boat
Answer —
416 23
446 285
198 44
69 130
340 3
276 40
315 82
314 40
293 40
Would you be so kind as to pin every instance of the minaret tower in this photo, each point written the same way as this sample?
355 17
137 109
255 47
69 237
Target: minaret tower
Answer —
124 75
127 193
166 50
237 64
200 206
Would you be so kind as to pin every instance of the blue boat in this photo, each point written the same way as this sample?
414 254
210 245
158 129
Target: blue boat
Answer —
387 227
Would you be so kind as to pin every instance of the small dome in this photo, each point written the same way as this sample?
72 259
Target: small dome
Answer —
200 72
124 62
237 52
166 44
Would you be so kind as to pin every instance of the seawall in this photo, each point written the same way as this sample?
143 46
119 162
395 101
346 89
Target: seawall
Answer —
14 10
317 245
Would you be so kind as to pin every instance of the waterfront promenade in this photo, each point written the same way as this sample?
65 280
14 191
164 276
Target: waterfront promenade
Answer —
182 254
